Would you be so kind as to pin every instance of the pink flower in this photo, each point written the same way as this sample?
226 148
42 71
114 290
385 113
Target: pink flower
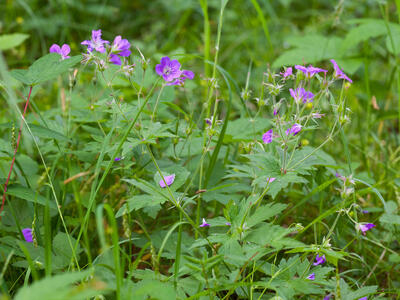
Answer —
63 51
339 73
168 179
365 227
204 224
310 71
287 73
27 232
270 179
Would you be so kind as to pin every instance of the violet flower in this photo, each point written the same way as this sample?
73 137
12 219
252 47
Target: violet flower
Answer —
117 158
365 227
168 179
300 94
339 73
228 224
63 51
27 232
204 224
363 298
317 115
275 111
267 137
327 297
287 73
169 69
319 260
186 74
271 179
119 48
311 276
295 129
96 43
310 71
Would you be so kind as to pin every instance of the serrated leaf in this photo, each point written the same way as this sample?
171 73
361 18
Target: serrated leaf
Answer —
9 41
264 213
45 68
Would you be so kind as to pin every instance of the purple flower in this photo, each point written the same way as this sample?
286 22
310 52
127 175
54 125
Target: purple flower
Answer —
327 297
319 260
267 137
186 74
168 179
288 72
228 224
271 179
117 158
169 69
300 94
275 111
310 71
204 224
365 211
96 43
63 51
339 73
295 129
311 276
363 298
120 47
317 115
365 227
27 232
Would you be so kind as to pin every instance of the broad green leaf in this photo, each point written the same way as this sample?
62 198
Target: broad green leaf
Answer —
138 202
264 213
60 287
44 132
45 68
9 41
27 194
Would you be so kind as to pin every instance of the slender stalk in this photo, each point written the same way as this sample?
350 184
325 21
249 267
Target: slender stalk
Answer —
15 151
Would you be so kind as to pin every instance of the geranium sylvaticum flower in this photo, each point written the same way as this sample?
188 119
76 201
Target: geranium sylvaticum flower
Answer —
365 227
363 298
63 51
287 73
27 233
295 129
168 179
310 71
204 224
119 48
96 43
319 260
300 94
271 179
171 71
339 73
311 276
267 137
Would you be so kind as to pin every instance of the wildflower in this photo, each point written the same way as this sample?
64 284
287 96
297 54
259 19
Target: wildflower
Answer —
327 297
267 137
168 179
365 211
317 115
311 276
228 224
275 111
365 227
339 73
363 298
310 71
319 260
120 47
270 179
27 232
204 224
169 69
345 179
118 159
63 51
300 94
96 43
295 129
186 74
287 73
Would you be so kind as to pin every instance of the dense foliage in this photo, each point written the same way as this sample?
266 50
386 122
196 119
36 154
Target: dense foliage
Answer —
207 149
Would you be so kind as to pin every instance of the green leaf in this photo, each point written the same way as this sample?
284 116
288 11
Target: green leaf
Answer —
59 287
9 41
27 194
138 202
45 68
44 132
390 218
264 213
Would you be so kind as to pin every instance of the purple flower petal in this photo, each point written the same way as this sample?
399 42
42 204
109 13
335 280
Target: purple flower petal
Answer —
96 43
228 224
310 71
271 179
365 227
115 59
27 232
168 179
311 276
204 224
171 72
319 260
363 298
118 159
55 49
288 72
267 137
295 129
63 51
339 73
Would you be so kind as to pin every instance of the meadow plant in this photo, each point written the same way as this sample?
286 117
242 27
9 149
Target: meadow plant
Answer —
131 166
